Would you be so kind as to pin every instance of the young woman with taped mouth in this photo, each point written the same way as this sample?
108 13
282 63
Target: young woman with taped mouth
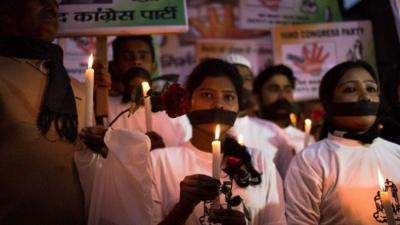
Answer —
335 180
183 188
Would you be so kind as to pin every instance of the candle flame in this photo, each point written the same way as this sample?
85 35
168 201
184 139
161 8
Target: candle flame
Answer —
145 87
307 126
240 139
90 61
308 122
217 131
293 118
381 181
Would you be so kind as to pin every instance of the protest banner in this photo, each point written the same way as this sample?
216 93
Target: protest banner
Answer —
119 17
312 49
263 14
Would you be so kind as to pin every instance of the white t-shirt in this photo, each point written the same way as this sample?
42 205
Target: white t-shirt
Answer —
170 130
266 136
118 188
171 165
334 181
186 126
296 138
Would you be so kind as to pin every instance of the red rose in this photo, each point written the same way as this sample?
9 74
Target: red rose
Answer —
317 114
175 100
232 161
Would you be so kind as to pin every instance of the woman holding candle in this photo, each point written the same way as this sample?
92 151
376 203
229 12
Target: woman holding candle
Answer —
334 181
182 182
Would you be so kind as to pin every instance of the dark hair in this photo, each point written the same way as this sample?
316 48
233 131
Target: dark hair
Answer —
117 44
128 76
332 77
212 67
268 73
243 176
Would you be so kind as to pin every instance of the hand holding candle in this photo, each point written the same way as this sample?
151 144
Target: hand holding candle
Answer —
386 200
89 86
307 130
147 106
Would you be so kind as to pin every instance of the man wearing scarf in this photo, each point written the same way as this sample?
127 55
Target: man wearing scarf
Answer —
274 89
39 107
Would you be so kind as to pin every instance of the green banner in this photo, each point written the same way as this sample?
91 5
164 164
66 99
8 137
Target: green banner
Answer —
263 14
119 17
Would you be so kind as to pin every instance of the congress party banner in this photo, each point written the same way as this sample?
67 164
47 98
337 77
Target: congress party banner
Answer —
312 49
263 14
258 52
121 17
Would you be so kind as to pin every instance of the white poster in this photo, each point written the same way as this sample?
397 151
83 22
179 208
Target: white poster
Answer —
312 49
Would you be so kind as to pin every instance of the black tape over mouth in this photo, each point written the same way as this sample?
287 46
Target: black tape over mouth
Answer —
353 109
207 116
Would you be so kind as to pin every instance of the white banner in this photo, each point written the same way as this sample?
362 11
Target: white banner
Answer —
312 49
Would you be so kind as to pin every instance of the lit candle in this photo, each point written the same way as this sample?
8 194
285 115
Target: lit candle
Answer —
240 139
147 106
89 85
293 119
216 153
386 200
307 130
216 158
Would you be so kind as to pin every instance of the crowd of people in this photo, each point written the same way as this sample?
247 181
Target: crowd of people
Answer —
51 167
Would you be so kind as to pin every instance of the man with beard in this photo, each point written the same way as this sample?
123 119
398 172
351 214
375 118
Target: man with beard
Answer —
128 52
258 133
274 90
134 61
